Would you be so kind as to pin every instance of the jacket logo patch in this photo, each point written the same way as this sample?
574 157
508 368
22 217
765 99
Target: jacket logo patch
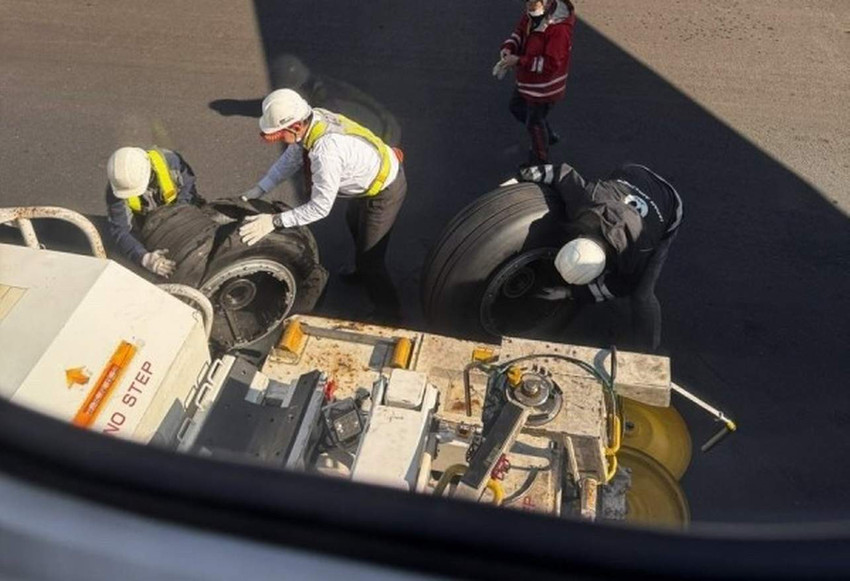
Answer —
639 204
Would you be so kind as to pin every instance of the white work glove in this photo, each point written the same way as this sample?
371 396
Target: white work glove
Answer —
538 173
509 61
558 293
255 228
506 61
500 69
252 194
157 263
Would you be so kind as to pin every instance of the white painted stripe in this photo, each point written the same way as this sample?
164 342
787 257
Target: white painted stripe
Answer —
595 291
604 289
536 174
536 94
542 85
550 174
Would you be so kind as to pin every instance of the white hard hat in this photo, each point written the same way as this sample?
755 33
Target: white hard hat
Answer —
580 261
129 172
281 109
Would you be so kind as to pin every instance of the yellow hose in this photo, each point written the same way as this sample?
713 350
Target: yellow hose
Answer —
493 486
611 453
451 472
612 466
498 492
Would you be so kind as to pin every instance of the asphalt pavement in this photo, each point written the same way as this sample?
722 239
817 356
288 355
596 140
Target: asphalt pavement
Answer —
741 105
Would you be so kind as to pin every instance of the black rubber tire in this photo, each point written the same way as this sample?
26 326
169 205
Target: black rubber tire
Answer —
286 249
477 243
237 209
187 233
203 247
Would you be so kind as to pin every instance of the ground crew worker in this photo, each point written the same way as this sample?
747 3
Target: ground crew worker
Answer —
339 157
620 231
539 50
139 182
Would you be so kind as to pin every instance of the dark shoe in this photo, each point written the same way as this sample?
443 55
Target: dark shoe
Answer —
350 275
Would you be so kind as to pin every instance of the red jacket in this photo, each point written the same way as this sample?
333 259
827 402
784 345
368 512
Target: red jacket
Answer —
544 63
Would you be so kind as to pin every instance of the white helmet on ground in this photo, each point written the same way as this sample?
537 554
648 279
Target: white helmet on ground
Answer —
129 172
580 261
281 109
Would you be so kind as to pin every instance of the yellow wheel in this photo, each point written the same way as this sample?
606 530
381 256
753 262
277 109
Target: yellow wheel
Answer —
654 497
660 432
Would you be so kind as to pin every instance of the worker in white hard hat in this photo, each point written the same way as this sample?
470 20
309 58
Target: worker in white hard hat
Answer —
620 232
141 181
340 158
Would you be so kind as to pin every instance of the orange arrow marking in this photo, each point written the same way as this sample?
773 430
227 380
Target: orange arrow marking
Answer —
76 376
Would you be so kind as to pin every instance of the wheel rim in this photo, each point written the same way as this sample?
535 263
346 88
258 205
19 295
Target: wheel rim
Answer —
250 299
509 306
237 293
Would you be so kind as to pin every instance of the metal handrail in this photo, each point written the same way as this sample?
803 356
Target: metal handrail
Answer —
197 297
22 216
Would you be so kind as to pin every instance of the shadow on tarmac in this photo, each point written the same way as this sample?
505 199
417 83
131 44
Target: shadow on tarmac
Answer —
756 284
755 292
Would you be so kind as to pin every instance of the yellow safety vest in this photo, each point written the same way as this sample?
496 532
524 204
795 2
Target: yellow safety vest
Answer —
167 188
328 122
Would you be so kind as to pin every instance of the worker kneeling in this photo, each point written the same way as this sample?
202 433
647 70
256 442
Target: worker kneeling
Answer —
621 229
340 158
139 182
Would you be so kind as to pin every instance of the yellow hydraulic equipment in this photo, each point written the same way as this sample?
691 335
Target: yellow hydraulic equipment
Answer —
659 432
654 497
295 333
494 486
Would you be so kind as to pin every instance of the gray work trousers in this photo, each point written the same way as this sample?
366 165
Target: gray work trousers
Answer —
370 221
646 310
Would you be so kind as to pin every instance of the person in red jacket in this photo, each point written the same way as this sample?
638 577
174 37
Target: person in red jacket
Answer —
539 51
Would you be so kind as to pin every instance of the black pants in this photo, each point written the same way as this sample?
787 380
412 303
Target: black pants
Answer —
533 116
370 221
646 310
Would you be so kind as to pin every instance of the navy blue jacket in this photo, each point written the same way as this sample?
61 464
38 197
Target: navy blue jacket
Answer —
123 223
631 212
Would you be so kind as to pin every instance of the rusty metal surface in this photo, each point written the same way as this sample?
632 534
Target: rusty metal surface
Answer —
443 360
644 378
350 361
355 354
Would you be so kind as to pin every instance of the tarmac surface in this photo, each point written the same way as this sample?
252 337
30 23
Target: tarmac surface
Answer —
742 105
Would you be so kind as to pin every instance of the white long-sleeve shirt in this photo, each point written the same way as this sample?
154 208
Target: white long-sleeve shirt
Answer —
340 164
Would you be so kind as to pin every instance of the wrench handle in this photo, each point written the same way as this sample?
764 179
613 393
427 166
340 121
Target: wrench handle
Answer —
716 438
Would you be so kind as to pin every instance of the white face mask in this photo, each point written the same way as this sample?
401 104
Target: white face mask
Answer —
538 12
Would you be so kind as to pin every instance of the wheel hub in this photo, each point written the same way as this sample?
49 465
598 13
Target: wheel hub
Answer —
237 294
251 297
511 306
